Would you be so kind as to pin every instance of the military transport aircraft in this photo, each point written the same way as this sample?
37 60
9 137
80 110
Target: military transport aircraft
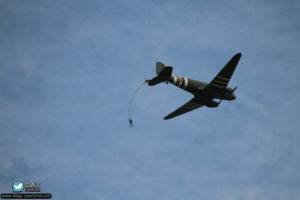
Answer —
204 93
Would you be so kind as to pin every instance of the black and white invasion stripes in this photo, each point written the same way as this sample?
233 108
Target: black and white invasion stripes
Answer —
181 82
191 105
220 82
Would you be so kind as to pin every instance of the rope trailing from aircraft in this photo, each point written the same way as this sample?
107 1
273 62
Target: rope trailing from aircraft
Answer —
131 101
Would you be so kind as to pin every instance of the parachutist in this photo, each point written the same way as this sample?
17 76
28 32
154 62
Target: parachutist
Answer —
131 123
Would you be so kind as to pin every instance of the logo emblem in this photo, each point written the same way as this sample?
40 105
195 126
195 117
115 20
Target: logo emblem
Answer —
18 186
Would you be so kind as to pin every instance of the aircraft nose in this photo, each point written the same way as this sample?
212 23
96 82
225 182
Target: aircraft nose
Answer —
233 96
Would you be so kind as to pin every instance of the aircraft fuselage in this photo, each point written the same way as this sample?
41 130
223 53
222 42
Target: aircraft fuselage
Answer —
197 88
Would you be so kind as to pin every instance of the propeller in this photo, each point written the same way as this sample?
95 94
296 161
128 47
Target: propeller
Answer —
218 105
234 88
220 102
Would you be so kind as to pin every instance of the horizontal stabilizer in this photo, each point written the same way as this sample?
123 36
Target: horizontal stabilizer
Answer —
163 75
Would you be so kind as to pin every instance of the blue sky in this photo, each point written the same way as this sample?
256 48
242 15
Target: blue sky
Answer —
69 68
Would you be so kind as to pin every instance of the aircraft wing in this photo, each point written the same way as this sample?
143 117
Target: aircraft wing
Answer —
189 106
223 77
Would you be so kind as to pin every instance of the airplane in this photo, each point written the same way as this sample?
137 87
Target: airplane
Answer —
204 93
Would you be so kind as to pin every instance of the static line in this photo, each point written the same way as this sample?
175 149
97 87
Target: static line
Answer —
131 100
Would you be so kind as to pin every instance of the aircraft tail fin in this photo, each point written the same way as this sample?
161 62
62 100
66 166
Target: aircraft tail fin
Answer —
159 66
163 74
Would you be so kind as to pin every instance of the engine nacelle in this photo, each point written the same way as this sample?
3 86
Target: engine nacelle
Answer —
212 104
